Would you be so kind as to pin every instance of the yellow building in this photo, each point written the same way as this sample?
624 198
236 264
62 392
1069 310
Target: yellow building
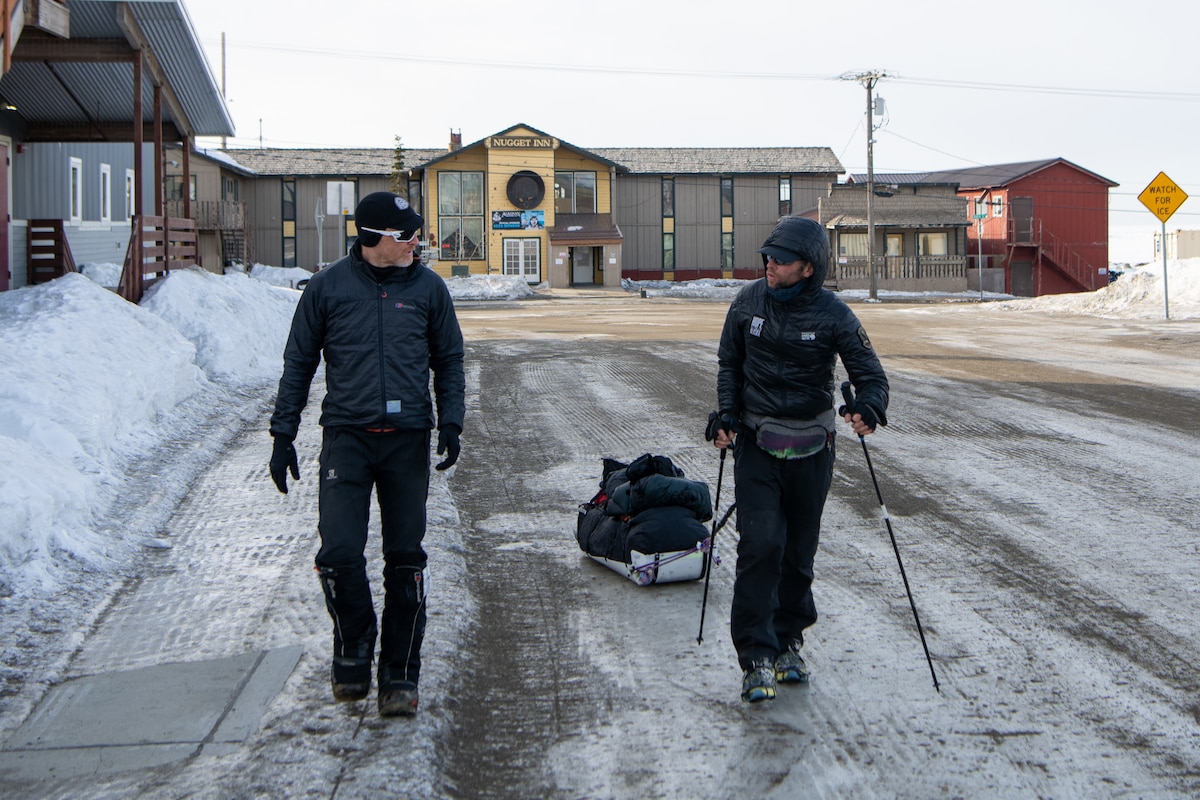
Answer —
522 202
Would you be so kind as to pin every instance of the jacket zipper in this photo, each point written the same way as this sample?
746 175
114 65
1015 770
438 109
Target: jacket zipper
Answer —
382 360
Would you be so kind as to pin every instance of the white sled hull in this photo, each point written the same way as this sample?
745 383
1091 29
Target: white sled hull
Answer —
645 570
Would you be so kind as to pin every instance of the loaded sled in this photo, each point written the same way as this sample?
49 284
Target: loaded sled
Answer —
647 521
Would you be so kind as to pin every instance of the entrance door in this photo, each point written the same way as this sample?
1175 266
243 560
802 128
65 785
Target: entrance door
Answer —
582 266
1022 278
523 257
1021 209
5 222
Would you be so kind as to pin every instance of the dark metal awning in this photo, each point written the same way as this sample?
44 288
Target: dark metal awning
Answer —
70 73
584 229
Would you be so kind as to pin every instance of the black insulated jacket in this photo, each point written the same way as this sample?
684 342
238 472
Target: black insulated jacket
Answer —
380 341
777 359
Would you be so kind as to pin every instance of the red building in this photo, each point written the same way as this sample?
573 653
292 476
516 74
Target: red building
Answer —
1044 223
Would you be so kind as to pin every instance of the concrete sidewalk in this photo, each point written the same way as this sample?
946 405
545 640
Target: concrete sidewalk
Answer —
191 652
206 674
146 717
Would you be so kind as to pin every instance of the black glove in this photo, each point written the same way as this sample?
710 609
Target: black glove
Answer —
717 422
868 415
283 458
448 444
852 407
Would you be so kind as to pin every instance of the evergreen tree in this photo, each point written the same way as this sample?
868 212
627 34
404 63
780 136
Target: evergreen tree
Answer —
399 178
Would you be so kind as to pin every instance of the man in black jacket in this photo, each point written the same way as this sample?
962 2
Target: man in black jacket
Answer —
775 382
382 322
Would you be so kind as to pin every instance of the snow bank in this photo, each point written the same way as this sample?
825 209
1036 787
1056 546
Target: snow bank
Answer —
239 326
81 369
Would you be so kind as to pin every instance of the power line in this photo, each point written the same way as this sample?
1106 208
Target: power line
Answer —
1132 94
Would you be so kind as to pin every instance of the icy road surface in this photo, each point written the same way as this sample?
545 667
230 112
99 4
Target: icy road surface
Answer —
1040 473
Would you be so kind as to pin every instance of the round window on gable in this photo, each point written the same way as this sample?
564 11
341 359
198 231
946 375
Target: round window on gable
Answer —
526 189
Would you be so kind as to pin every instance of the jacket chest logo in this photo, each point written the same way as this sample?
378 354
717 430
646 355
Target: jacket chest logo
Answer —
808 336
756 326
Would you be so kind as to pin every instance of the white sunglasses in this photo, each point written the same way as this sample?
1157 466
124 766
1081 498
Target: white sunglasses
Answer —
398 236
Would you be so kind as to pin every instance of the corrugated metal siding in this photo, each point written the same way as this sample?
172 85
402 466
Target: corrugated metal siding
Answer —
41 179
98 245
264 215
172 36
755 212
19 266
639 216
698 222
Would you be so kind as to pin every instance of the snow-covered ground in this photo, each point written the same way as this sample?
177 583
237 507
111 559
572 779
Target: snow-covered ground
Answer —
91 382
89 385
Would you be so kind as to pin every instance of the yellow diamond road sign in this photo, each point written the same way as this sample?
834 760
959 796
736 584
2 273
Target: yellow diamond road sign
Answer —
1163 196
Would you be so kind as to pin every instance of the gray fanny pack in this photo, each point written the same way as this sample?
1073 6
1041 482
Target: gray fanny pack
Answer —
791 439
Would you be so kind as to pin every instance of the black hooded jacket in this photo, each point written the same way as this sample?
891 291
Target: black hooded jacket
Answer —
777 359
380 340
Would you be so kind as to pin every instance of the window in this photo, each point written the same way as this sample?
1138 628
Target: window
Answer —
105 192
668 252
460 215
174 187
931 244
726 197
895 244
130 195
339 198
288 215
414 196
785 197
726 251
575 192
998 207
76 190
668 197
852 245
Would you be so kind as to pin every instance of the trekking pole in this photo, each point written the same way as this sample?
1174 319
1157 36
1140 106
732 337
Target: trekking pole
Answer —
708 556
848 396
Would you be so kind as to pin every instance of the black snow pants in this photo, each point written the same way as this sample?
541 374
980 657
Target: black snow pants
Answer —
779 505
396 465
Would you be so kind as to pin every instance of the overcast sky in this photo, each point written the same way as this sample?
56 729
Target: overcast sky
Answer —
1102 84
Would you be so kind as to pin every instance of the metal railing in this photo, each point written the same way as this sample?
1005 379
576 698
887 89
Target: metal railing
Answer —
1032 232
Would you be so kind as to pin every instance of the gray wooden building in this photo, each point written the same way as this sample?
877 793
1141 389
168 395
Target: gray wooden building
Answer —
690 213
680 213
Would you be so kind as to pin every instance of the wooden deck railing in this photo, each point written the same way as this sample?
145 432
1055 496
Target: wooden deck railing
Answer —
901 268
157 245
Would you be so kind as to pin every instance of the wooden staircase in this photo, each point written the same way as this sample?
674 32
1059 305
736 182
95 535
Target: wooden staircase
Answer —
49 251
1042 245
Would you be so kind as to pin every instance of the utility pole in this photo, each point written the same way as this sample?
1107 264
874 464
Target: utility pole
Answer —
224 96
868 80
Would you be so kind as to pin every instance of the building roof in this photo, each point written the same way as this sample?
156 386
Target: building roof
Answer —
898 179
327 161
645 160
76 84
559 142
847 208
726 160
986 177
584 229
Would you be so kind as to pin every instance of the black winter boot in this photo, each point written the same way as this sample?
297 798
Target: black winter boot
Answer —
400 640
348 600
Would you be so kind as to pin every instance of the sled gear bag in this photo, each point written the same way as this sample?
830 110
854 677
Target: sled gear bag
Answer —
792 439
